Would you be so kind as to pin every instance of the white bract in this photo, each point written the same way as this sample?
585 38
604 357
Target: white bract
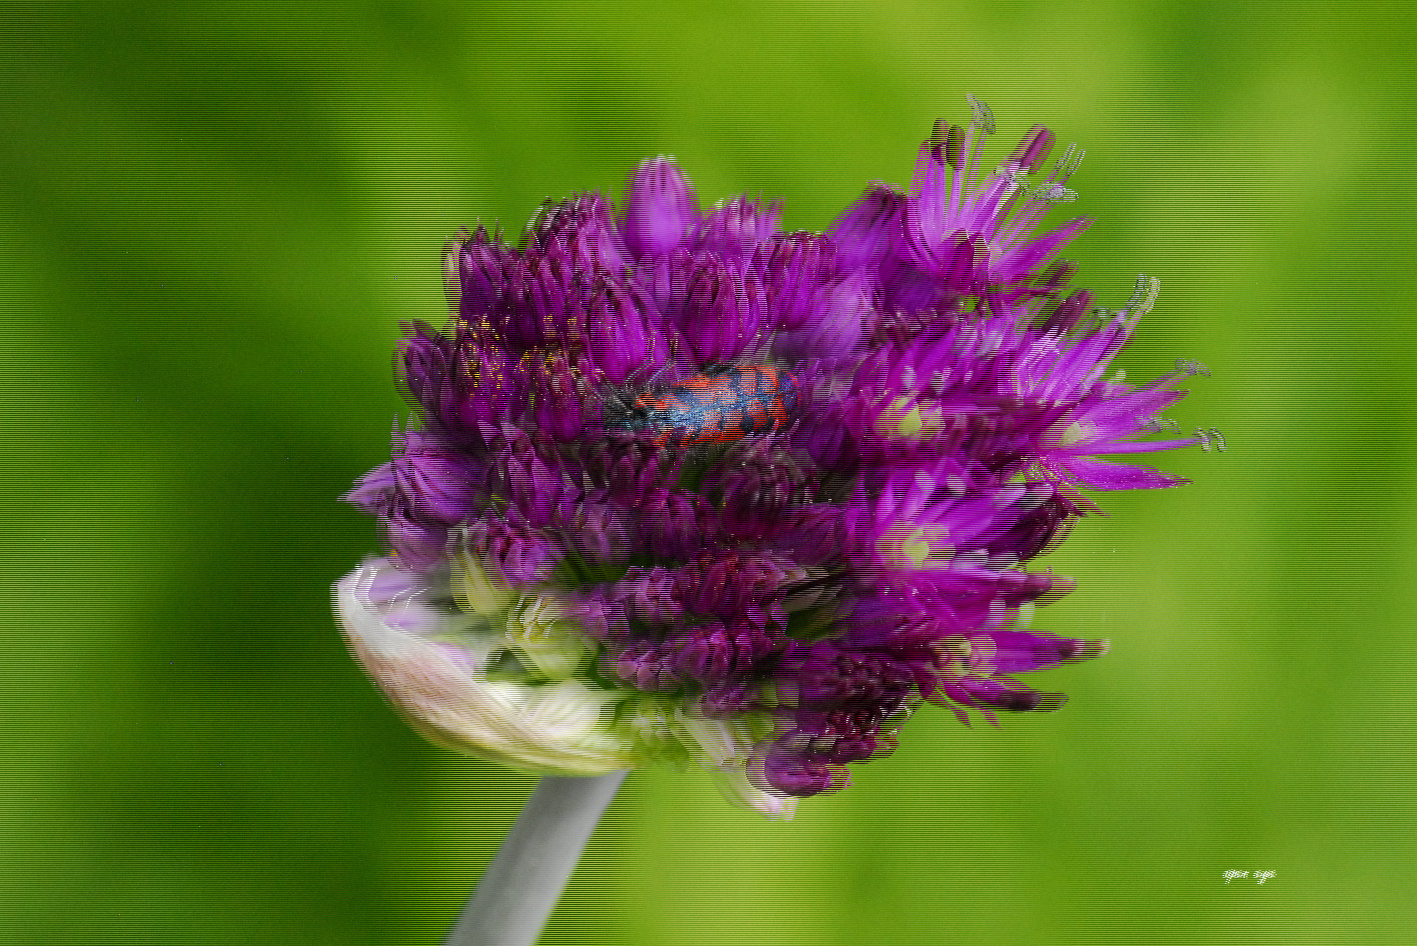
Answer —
430 657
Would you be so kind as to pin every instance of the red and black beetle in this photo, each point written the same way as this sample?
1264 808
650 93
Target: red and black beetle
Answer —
714 409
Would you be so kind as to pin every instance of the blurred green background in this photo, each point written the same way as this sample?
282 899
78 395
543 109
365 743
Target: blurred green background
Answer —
212 219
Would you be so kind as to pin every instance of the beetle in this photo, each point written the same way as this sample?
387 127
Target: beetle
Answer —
713 409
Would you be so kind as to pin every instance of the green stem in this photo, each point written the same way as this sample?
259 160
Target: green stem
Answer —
516 895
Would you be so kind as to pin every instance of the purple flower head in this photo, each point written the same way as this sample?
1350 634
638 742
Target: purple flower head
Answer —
580 232
624 335
482 273
735 229
661 210
720 313
763 493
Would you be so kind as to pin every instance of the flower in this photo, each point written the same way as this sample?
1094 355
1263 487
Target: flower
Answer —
686 488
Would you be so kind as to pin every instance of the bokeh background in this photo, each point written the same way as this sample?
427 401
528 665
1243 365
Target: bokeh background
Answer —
212 219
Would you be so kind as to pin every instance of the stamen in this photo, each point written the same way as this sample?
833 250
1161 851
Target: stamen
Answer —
1032 149
962 171
452 287
1053 192
1191 368
1050 190
1098 317
1068 163
939 133
1210 437
948 140
983 117
1144 296
1058 273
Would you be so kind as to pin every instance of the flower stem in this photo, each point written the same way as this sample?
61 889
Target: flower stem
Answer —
515 896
